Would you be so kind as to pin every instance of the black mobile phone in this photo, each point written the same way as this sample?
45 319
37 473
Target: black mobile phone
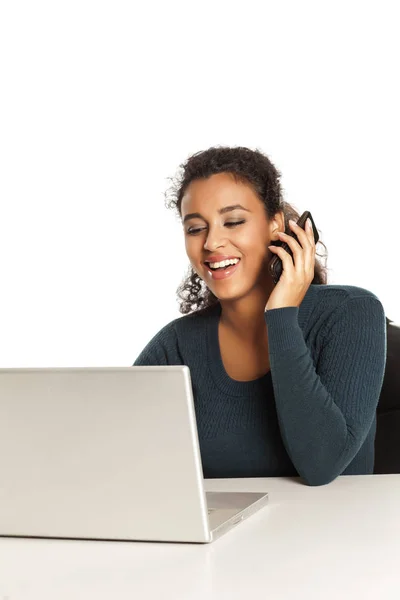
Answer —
275 266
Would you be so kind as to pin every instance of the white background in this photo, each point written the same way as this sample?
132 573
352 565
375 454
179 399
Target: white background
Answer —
101 101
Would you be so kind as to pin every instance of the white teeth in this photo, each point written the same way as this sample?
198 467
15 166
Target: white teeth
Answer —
224 263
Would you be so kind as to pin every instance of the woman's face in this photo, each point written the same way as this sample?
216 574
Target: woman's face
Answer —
243 233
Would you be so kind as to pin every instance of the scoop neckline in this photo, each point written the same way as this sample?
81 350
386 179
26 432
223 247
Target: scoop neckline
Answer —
221 378
224 382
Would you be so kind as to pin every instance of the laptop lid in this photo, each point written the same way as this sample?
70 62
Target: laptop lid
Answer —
101 453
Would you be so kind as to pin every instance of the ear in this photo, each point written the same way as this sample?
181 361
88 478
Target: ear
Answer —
277 224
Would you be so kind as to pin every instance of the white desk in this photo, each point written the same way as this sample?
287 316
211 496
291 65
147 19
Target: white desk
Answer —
338 541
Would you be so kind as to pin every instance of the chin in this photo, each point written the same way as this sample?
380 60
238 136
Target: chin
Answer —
233 294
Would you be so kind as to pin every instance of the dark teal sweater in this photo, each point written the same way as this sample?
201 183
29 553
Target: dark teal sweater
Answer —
313 414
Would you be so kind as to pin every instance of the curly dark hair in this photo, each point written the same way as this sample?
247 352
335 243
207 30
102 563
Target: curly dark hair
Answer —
247 166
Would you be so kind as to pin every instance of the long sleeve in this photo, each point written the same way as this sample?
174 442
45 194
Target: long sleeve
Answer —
325 410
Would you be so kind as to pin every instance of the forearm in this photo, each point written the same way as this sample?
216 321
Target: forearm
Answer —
312 426
320 440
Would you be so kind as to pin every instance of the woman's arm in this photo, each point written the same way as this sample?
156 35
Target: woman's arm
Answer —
326 410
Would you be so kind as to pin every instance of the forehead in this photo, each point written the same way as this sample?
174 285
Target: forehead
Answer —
216 192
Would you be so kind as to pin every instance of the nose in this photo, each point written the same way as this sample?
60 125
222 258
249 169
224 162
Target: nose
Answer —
215 239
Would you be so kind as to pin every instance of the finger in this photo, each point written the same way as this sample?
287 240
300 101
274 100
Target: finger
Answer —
310 233
306 238
297 250
287 260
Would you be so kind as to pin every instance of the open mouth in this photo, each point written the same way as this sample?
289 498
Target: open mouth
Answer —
224 271
224 267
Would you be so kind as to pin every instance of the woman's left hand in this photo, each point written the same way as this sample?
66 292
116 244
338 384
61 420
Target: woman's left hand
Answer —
296 278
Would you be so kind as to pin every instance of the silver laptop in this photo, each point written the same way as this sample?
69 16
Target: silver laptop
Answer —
107 453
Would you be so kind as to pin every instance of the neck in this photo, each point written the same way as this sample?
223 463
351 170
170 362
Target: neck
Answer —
245 316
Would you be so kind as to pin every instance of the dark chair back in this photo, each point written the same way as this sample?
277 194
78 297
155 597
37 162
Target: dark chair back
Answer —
387 441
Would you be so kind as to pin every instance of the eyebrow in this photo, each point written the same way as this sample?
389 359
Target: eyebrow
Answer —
221 211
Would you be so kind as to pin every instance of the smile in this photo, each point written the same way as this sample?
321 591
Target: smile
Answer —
222 272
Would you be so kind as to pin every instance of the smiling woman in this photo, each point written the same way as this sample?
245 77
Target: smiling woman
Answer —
250 177
286 376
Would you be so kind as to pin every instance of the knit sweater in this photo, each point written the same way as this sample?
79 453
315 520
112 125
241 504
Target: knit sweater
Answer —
313 414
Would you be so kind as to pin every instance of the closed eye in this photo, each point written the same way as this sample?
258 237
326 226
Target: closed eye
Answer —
231 224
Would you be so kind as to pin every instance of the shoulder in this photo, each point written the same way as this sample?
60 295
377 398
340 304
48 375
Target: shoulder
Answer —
348 305
165 346
195 320
339 294
161 348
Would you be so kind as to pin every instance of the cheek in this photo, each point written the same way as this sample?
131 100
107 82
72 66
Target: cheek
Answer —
253 245
194 245
188 243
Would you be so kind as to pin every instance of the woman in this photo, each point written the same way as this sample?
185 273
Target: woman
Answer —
286 378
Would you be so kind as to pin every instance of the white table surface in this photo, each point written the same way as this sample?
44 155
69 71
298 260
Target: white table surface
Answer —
336 541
